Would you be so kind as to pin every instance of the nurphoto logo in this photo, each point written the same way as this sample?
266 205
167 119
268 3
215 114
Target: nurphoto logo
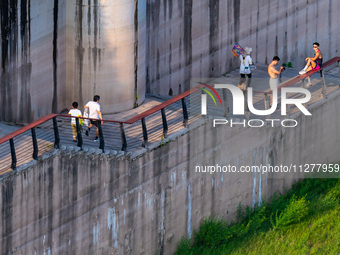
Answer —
239 104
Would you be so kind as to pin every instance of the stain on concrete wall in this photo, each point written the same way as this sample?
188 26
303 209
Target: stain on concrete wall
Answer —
79 50
55 52
237 17
7 216
214 36
5 32
104 52
29 58
55 57
136 53
9 48
25 109
141 40
15 99
187 41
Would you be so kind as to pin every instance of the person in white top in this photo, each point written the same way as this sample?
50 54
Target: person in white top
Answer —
94 113
76 113
246 61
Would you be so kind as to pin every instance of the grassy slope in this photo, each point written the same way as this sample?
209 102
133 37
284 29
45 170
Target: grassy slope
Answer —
306 220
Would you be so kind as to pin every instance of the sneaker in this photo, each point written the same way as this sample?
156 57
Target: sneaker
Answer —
302 71
87 133
308 85
96 139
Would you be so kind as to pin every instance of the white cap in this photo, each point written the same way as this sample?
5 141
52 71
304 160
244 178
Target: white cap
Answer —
248 50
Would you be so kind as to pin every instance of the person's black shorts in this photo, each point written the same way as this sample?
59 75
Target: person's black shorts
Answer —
94 122
244 75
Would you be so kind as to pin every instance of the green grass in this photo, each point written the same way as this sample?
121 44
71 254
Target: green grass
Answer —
306 220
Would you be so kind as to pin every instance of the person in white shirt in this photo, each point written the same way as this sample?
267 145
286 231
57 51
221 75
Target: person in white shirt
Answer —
94 113
76 113
246 61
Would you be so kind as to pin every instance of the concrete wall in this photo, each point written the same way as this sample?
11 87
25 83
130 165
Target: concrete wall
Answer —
55 52
103 52
32 59
86 203
191 39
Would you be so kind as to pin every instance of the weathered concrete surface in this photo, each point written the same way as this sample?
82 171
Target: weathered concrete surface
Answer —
32 60
87 203
55 52
103 52
192 39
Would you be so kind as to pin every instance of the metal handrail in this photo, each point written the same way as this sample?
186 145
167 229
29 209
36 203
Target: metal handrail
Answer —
32 126
163 105
27 128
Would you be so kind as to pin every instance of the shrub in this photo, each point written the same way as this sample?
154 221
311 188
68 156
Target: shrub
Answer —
212 233
332 198
258 218
183 247
294 212
240 212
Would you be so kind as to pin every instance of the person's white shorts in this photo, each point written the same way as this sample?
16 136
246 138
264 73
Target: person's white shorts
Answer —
273 83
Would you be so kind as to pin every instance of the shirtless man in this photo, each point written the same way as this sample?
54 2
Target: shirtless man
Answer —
274 80
315 62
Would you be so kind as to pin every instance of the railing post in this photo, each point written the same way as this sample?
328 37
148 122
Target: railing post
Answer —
323 84
225 102
305 105
185 112
145 133
289 109
246 109
339 71
14 157
35 144
165 124
122 135
101 136
309 83
56 133
266 101
79 136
